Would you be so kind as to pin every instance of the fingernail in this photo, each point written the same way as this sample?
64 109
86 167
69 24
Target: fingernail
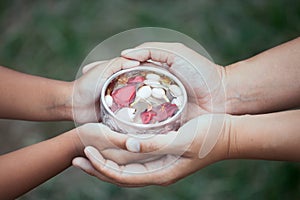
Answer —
133 145
131 63
126 51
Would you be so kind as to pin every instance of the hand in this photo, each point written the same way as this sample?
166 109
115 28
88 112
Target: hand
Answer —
86 89
98 137
203 79
110 143
184 152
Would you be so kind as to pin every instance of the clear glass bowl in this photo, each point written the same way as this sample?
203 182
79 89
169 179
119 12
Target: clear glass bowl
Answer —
127 107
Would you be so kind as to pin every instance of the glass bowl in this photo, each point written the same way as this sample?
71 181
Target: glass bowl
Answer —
143 100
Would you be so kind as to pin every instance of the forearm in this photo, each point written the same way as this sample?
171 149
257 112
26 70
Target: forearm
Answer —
274 136
24 169
266 82
30 97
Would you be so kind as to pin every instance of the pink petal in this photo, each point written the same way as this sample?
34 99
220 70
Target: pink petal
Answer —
165 111
124 96
170 108
137 79
147 116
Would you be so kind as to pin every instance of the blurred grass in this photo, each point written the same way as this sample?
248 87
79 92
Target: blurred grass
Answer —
51 39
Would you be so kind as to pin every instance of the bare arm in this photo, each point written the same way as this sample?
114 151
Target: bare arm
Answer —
274 136
24 169
267 82
30 97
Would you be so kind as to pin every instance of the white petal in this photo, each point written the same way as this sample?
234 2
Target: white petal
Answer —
151 82
177 102
175 90
158 93
126 114
153 77
144 92
108 100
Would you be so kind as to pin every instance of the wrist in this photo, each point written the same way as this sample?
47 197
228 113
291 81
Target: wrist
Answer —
234 88
63 101
244 95
270 136
76 143
236 148
223 124
250 138
232 95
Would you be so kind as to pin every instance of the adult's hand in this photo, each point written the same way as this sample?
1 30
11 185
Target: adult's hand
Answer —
203 79
238 137
97 135
184 152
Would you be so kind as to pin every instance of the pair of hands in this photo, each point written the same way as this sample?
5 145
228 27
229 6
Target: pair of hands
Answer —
158 159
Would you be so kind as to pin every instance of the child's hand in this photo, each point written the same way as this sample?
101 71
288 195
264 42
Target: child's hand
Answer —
86 89
110 143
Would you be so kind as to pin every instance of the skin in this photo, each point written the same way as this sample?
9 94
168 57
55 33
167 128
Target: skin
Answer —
239 137
33 98
264 83
243 137
29 97
28 167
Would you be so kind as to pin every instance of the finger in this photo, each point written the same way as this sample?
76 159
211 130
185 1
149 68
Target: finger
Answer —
92 65
120 63
100 163
85 165
160 52
155 144
174 142
139 174
114 138
105 71
122 157
101 136
160 144
101 71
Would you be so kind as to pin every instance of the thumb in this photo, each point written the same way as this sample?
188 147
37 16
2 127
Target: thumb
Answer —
174 142
155 144
133 145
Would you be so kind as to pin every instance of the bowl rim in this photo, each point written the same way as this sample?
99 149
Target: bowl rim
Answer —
144 67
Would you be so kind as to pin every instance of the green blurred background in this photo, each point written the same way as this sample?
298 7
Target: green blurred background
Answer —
51 39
